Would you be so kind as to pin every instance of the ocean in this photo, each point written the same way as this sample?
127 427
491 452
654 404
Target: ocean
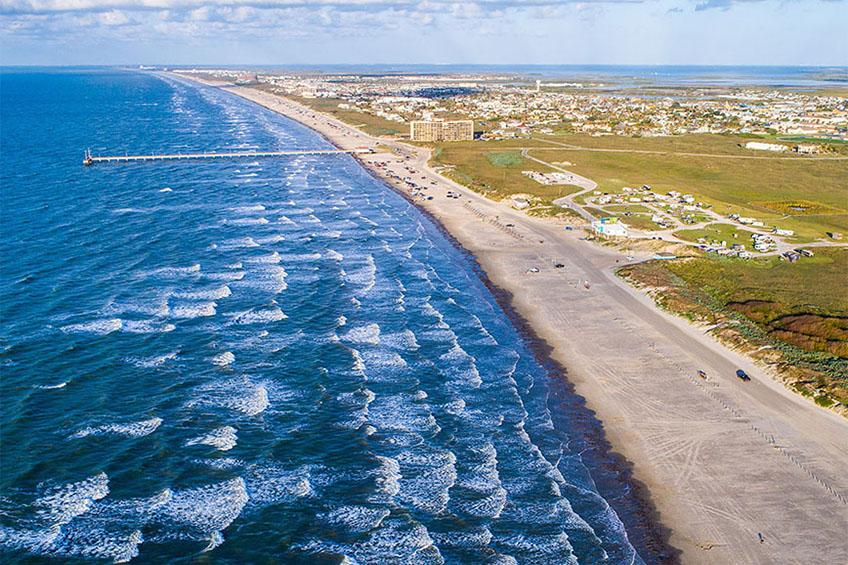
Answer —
270 361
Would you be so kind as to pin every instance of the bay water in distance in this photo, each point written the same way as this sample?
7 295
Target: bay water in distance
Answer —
274 361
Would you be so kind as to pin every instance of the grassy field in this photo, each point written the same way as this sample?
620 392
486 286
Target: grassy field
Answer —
728 233
370 124
713 144
730 185
495 168
794 316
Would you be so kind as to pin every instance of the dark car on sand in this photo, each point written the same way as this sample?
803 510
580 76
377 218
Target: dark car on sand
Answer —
742 375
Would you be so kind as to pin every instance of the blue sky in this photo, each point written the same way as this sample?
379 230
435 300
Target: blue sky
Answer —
280 32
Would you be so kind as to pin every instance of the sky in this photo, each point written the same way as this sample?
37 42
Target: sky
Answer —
314 32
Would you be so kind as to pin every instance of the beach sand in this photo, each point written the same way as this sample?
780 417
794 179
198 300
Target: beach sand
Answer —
723 461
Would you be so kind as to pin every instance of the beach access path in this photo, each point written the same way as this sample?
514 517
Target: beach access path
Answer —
723 460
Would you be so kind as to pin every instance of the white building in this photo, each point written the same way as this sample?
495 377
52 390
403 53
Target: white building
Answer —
610 227
759 146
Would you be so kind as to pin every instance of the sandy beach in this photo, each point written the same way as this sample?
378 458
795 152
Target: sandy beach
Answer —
723 461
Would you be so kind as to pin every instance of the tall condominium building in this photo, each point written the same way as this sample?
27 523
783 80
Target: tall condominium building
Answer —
421 130
439 130
460 130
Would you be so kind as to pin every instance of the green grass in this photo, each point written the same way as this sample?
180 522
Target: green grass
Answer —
505 159
633 208
495 168
640 222
718 232
816 284
369 123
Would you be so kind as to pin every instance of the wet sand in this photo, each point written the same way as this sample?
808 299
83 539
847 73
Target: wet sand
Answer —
723 461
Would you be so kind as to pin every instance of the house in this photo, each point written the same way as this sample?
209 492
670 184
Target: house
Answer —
759 146
610 227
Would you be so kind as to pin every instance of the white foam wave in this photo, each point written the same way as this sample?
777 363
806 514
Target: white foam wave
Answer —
223 439
238 243
145 327
190 311
271 258
335 255
133 429
209 294
223 359
246 221
150 362
206 509
356 519
471 537
174 271
239 394
273 485
369 334
248 209
97 327
387 477
61 504
276 238
259 316
404 340
53 387
232 276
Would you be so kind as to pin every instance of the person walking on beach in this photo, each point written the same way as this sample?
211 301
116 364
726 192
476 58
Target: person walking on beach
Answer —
761 537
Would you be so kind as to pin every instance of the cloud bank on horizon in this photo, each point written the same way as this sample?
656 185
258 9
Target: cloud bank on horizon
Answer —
426 31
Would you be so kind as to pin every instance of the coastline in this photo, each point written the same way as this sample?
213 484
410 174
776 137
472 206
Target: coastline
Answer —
702 450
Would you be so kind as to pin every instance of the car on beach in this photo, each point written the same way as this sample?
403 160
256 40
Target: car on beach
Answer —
702 374
533 270
558 266
742 375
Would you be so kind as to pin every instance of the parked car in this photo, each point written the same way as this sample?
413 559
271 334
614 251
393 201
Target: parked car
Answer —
742 375
559 266
702 374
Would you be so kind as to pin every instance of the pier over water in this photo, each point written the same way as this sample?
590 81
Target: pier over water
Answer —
89 159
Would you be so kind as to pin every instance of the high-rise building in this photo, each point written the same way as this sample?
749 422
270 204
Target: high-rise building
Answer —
459 130
440 130
420 130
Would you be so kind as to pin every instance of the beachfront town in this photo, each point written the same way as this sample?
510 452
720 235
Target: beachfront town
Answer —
505 107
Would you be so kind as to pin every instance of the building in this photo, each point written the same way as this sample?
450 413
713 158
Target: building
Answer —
759 146
420 130
610 227
459 130
440 130
807 149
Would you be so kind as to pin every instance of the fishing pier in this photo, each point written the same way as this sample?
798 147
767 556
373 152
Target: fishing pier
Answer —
89 159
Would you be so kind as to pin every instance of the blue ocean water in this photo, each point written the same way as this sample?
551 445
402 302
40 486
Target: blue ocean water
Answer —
256 361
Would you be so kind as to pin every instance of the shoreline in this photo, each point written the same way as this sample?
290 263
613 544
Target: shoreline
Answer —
721 462
611 472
